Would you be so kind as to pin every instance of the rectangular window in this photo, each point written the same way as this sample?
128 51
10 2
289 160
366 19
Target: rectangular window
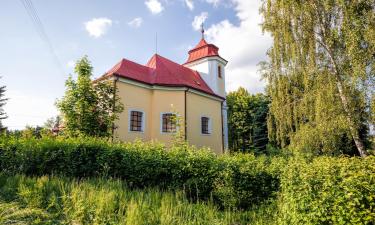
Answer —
168 123
219 71
136 121
205 125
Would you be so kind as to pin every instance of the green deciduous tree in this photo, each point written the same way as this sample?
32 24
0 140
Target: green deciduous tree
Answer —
34 132
53 122
320 73
2 103
247 121
89 108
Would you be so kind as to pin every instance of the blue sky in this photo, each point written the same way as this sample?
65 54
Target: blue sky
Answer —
108 31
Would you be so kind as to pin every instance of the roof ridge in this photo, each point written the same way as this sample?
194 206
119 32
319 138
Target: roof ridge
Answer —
115 67
195 72
160 70
162 61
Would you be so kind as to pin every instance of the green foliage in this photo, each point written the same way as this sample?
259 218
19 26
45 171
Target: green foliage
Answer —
328 190
89 108
320 72
201 173
241 173
35 132
53 122
15 213
247 121
289 189
2 103
54 200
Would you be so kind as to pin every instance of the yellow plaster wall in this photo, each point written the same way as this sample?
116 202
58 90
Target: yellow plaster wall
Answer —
198 106
164 101
136 98
152 103
155 102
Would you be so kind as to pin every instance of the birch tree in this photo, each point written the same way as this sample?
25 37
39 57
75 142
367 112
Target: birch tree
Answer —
321 68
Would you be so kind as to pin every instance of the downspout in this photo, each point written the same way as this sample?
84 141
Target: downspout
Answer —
186 115
114 104
222 128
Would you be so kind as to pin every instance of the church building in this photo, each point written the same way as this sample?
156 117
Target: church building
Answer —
155 94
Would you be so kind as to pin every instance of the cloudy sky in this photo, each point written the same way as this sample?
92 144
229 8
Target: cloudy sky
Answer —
40 41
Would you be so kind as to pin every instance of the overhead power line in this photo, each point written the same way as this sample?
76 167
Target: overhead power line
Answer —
38 25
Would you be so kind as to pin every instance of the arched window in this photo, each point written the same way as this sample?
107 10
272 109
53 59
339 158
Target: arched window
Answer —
219 71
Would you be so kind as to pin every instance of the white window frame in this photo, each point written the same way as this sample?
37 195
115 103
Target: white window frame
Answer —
143 120
209 125
161 123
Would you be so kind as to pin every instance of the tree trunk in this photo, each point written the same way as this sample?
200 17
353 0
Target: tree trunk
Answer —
353 131
344 101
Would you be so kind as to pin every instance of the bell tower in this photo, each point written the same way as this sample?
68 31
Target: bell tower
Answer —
205 59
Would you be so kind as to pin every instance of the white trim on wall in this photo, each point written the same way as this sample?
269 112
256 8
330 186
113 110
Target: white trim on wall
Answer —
157 87
206 59
143 120
205 95
152 87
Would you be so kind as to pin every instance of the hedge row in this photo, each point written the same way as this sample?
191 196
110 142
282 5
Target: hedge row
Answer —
233 182
328 190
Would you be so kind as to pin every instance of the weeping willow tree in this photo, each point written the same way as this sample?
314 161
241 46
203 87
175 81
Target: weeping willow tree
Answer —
320 73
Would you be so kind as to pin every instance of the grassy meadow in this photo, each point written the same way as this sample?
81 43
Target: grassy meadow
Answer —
58 200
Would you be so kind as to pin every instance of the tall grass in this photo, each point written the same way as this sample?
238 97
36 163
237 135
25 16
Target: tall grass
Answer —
57 200
241 181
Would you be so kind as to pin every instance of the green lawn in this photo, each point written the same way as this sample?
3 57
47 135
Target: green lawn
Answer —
54 200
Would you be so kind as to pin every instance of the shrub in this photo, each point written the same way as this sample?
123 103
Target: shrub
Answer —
236 182
241 173
328 190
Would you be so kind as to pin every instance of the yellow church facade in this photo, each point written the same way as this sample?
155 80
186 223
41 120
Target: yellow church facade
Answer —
157 93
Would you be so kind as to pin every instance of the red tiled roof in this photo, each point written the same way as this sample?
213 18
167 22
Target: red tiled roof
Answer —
161 71
202 50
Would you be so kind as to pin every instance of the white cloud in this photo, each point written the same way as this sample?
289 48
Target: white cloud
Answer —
198 20
154 6
97 27
244 45
136 22
189 4
214 2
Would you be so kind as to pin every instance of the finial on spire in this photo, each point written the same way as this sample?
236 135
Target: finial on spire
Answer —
156 43
202 30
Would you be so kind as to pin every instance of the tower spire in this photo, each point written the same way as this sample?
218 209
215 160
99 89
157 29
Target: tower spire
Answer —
202 30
